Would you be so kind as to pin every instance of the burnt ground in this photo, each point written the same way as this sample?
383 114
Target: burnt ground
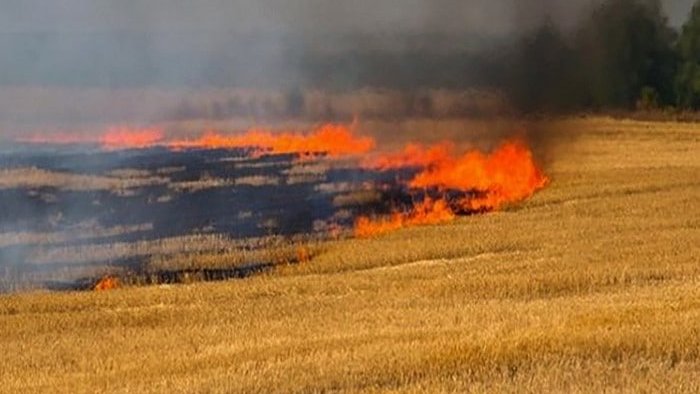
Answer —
249 209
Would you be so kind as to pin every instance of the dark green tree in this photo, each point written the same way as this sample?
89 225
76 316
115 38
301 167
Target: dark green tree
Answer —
688 77
626 50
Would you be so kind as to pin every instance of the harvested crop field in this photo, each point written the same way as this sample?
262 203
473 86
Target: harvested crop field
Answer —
592 284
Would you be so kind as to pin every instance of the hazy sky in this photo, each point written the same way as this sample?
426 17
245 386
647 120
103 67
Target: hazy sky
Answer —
247 42
194 43
311 16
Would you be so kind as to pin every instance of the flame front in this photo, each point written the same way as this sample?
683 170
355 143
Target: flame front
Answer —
332 139
484 181
426 212
413 155
129 138
509 174
489 181
107 283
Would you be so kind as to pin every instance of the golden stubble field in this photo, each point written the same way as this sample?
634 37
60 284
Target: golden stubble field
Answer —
591 285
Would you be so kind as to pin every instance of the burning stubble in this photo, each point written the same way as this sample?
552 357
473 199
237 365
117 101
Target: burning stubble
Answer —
325 180
439 181
462 183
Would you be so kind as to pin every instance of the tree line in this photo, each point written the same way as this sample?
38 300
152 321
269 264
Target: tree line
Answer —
622 55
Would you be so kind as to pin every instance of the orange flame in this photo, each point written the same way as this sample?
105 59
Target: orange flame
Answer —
303 254
413 155
332 139
426 212
489 180
128 138
107 283
506 175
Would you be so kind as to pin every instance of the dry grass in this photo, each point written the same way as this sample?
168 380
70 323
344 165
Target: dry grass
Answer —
312 172
257 180
75 264
81 231
360 197
273 250
193 244
592 285
126 182
36 178
204 183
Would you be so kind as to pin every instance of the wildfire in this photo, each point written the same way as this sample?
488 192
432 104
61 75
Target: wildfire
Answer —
303 254
428 211
332 139
335 140
107 283
413 155
488 181
508 174
128 138
451 183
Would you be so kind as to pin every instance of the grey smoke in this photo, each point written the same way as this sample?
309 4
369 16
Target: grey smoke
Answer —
261 44
114 43
311 16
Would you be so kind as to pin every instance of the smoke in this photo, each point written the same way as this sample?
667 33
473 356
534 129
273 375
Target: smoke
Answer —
83 66
112 43
62 50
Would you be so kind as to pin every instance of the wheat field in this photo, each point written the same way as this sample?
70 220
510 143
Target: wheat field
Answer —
591 285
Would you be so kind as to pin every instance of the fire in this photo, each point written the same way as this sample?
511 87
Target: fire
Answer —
451 183
428 211
488 181
128 138
107 283
413 155
303 254
333 139
508 174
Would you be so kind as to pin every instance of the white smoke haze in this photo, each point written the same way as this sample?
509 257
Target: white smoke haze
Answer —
79 64
296 16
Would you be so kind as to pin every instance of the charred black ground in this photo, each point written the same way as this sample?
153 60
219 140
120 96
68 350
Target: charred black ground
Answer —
257 196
